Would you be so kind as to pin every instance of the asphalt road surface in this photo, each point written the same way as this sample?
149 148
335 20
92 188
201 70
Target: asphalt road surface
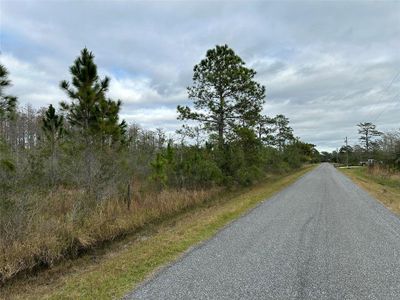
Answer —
321 238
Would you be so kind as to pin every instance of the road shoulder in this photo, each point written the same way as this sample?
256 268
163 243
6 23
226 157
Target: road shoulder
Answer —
385 190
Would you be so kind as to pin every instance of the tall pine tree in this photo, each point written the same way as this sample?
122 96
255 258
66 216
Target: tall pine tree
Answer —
53 128
368 132
224 93
94 116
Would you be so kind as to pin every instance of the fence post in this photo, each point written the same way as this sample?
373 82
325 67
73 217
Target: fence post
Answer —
129 196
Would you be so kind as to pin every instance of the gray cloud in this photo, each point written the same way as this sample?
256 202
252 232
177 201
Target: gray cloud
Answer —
326 65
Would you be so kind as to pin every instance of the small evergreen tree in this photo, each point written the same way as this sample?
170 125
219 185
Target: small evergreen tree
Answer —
53 128
90 111
52 124
159 170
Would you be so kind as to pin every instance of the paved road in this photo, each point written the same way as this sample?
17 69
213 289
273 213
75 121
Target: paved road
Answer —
321 238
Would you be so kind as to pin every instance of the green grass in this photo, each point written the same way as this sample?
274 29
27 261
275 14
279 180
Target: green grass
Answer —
383 180
111 272
384 187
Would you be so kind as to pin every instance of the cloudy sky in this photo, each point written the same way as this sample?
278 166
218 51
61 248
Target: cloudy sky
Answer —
325 65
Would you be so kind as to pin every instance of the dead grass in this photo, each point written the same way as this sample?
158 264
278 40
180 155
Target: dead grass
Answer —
109 272
380 183
56 226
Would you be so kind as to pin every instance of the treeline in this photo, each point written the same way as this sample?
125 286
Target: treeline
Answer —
73 177
374 148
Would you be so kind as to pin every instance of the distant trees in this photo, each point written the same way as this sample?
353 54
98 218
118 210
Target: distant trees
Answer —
327 157
382 147
389 149
368 132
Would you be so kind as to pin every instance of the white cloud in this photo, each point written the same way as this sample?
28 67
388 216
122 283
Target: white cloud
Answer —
141 91
31 84
133 91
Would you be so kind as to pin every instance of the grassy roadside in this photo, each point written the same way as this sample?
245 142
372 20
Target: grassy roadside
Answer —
384 188
112 271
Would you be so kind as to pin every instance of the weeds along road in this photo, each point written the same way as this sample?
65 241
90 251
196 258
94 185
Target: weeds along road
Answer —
321 238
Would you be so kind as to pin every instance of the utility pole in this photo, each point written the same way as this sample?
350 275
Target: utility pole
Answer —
347 153
337 155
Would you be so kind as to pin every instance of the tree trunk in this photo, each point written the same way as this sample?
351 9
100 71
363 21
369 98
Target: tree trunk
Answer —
221 123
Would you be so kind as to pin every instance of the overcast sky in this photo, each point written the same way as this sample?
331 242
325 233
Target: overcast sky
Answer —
326 65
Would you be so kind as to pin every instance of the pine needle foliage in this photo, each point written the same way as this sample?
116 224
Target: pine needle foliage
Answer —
7 102
224 93
89 110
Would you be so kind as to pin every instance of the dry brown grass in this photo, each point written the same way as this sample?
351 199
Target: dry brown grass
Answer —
64 223
381 183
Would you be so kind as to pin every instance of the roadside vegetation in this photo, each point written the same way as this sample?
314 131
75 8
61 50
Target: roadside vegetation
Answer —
375 148
384 185
111 272
74 176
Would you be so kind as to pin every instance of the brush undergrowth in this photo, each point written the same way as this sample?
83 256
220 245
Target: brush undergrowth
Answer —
46 228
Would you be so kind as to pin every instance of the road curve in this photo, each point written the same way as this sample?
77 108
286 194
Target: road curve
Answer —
321 238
